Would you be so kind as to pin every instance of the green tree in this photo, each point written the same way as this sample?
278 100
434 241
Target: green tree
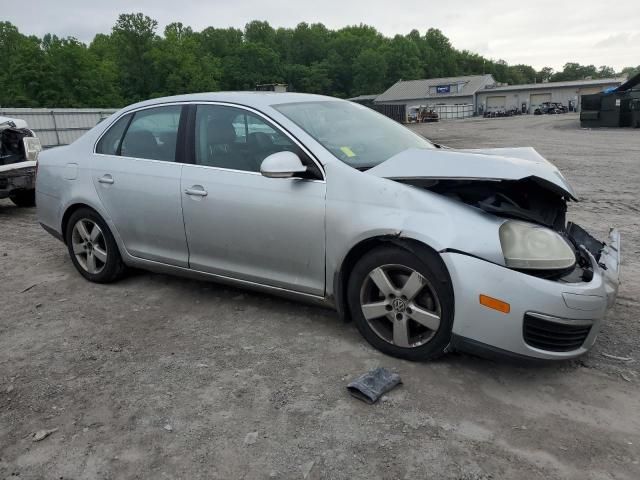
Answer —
308 43
311 79
133 62
545 74
252 64
606 72
439 56
133 37
403 60
519 74
220 42
369 72
177 65
575 71
500 71
260 32
21 75
345 46
630 71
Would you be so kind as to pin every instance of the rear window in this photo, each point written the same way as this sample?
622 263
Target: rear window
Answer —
153 134
109 144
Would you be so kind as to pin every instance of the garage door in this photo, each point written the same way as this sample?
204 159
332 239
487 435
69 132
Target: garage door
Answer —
496 103
538 99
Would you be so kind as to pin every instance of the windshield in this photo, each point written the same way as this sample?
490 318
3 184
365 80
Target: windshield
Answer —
357 135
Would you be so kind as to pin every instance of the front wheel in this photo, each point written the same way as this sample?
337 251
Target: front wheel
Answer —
402 305
92 248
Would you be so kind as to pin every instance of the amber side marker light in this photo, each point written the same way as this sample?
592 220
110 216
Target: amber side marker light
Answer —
495 304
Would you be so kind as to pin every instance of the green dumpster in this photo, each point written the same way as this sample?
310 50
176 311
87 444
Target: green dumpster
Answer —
635 113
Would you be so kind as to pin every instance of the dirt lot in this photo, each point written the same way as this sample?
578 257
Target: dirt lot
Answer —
159 377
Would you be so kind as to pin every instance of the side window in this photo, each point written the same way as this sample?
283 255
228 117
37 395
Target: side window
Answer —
110 141
229 137
153 134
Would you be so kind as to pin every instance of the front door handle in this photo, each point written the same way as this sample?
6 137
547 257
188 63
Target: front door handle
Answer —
196 191
108 179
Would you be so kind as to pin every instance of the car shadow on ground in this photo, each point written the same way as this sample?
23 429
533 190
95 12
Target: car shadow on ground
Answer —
179 297
279 309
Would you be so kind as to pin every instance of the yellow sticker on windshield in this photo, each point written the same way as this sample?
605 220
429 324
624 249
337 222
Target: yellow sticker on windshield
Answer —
347 151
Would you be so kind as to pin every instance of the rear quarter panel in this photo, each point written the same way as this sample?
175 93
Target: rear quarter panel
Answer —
64 179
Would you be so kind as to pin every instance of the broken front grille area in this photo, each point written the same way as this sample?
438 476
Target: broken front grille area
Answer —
555 334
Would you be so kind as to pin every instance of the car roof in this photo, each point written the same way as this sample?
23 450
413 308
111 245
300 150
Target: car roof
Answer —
251 99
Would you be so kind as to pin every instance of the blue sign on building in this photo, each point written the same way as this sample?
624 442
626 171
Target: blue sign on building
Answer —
443 89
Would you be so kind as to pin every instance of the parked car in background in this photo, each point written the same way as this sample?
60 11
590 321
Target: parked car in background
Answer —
426 248
550 108
19 148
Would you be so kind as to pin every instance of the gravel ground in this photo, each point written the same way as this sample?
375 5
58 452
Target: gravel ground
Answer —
161 377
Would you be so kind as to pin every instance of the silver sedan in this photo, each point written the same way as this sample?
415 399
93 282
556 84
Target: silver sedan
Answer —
425 248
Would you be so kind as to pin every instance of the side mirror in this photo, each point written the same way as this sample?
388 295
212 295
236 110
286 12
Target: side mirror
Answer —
282 165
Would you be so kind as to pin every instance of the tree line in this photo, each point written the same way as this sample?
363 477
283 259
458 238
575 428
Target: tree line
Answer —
134 62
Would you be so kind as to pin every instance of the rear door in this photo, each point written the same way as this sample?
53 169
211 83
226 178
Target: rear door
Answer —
242 225
138 181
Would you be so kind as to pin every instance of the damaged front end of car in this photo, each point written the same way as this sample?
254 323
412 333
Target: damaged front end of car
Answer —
546 282
19 149
531 194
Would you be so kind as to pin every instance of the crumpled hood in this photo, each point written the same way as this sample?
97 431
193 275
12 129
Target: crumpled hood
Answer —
18 123
477 164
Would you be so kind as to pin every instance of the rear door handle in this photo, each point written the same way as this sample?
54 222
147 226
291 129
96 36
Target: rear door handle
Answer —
196 191
108 179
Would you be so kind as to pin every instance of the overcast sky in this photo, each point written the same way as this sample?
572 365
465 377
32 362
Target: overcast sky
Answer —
535 32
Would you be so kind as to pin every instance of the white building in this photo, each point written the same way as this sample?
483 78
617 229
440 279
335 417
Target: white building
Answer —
451 97
460 97
527 98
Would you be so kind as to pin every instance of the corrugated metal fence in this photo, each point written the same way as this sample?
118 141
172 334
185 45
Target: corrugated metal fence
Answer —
58 126
399 111
396 111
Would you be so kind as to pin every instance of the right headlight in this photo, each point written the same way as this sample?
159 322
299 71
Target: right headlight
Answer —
526 246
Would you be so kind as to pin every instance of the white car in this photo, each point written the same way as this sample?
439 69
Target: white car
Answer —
19 148
427 249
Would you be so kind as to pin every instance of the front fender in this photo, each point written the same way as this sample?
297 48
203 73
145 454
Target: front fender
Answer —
362 207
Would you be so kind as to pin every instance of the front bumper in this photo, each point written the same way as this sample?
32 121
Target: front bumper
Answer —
567 305
11 179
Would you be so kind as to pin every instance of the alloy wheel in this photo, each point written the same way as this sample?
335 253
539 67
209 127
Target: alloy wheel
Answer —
89 246
400 305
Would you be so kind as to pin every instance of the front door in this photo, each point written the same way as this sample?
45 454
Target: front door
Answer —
138 181
242 225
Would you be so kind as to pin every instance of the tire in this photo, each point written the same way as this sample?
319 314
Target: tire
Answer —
23 198
414 318
84 242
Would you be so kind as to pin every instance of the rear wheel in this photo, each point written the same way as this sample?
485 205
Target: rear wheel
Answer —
23 198
92 248
402 304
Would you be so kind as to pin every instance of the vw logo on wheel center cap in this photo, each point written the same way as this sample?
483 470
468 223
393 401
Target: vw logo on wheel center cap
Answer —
399 305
